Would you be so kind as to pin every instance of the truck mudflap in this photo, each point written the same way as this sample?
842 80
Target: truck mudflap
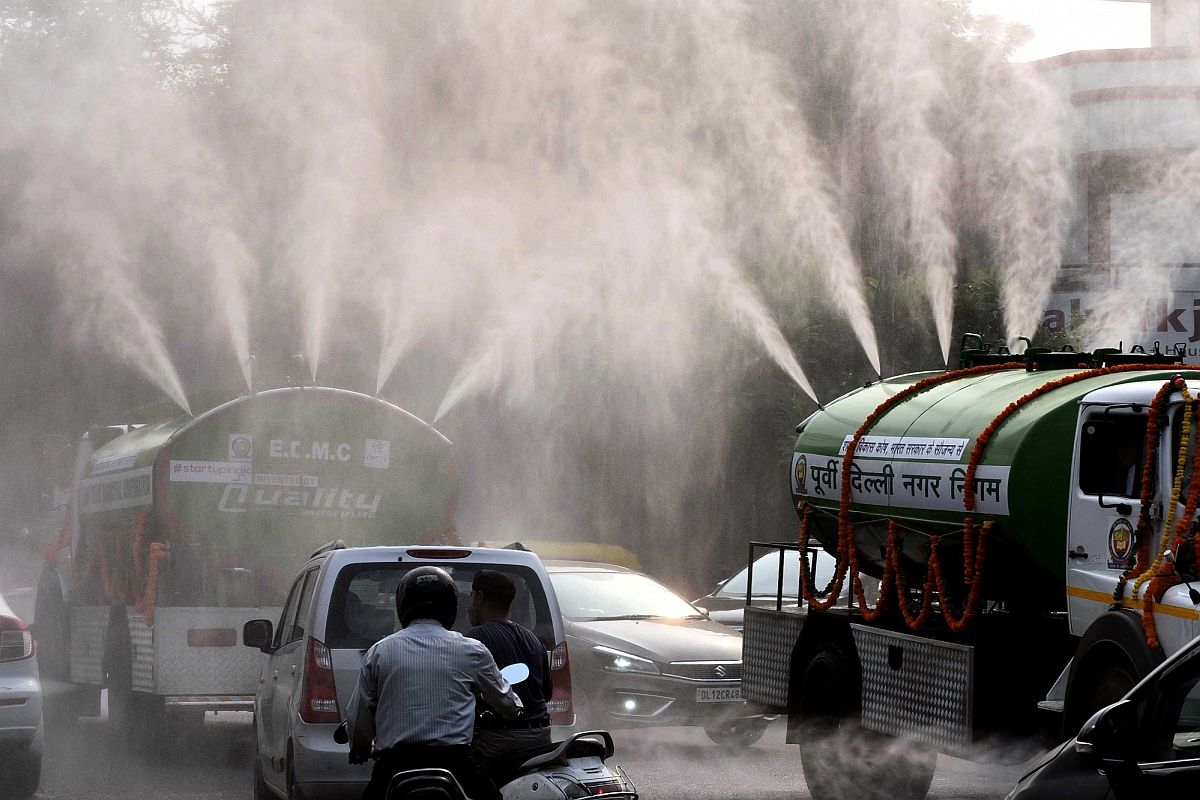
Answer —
768 641
916 688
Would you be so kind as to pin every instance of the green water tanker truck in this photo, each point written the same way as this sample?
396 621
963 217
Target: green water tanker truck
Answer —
180 531
1033 526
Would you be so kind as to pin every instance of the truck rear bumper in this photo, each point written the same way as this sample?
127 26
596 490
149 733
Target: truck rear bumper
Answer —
223 702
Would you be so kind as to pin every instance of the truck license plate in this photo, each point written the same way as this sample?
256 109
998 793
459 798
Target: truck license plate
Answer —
708 694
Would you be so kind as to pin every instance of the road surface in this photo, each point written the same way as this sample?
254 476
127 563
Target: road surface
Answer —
212 762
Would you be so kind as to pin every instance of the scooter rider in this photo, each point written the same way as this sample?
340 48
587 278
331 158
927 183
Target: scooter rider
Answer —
509 642
415 696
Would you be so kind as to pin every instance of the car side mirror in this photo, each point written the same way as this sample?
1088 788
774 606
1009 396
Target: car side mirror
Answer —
1108 736
258 633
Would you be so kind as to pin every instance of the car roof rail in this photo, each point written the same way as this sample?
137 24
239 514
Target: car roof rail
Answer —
336 544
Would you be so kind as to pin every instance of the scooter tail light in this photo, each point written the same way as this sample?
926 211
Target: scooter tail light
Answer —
16 640
560 708
318 700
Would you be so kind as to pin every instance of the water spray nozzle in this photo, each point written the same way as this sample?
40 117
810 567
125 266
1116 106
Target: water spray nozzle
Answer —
300 376
250 373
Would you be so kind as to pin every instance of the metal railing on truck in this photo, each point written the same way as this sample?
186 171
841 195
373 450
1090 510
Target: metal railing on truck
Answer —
781 548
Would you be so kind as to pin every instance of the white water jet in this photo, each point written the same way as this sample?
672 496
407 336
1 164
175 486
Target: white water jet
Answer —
98 187
573 102
1017 131
897 90
309 82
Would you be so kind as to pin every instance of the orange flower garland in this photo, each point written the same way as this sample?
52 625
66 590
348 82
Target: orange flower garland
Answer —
149 598
974 545
1145 527
847 556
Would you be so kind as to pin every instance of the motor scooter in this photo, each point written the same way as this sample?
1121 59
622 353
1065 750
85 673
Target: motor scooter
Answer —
566 770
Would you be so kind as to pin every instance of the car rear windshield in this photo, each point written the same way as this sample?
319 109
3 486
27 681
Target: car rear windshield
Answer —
616 595
362 608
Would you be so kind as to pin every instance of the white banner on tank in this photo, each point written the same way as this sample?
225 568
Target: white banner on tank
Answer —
121 490
901 484
211 471
924 447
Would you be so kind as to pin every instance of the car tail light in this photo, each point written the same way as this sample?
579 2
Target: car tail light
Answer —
559 706
16 642
318 700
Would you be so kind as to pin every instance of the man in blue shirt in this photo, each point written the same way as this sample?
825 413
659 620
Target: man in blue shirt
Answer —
492 595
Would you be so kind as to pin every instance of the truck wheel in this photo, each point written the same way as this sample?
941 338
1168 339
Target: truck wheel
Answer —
52 631
118 671
1103 683
52 628
736 734
841 760
138 718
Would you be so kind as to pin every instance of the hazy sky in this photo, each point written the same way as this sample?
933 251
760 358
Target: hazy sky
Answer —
1061 26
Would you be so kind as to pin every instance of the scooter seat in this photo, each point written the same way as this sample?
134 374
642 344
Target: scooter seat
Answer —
587 743
506 769
425 784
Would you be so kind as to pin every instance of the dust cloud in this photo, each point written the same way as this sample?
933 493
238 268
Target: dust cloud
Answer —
615 249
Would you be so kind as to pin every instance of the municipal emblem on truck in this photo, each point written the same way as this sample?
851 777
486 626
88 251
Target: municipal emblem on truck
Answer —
800 471
241 447
1120 544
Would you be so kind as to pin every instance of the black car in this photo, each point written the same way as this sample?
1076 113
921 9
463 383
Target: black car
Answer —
1145 745
641 656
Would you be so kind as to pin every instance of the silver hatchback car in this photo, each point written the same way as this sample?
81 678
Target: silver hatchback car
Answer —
342 602
20 708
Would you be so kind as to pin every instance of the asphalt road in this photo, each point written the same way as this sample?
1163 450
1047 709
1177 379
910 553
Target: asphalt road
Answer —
212 762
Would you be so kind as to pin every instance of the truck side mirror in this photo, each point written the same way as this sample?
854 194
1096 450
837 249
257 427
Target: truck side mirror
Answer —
258 633
1107 738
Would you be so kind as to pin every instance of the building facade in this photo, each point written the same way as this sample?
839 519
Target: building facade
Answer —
1135 165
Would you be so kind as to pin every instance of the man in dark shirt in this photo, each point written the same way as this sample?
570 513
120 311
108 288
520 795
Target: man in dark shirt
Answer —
492 594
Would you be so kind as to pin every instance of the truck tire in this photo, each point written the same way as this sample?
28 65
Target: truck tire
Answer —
841 760
139 719
1102 682
1110 659
118 676
736 734
52 631
52 628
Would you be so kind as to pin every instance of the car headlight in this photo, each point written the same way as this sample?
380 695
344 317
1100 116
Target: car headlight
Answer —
617 661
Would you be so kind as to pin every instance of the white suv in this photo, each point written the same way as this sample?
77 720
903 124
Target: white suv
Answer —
342 602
